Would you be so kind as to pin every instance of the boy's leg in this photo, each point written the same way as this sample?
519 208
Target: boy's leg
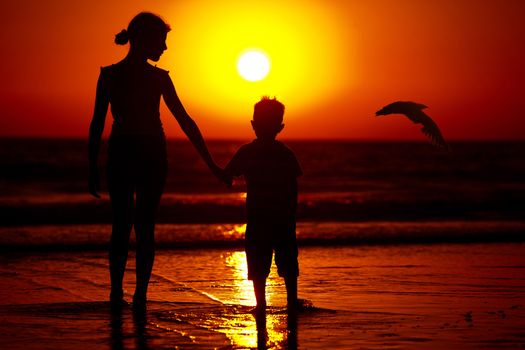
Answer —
259 287
291 291
259 259
286 259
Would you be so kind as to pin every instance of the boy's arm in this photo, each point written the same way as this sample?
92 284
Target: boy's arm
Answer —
228 173
190 128
235 165
297 170
227 177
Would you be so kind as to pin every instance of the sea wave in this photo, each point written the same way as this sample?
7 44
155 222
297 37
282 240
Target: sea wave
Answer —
378 205
172 236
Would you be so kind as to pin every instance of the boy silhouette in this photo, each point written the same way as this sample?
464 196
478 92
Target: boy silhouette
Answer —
270 170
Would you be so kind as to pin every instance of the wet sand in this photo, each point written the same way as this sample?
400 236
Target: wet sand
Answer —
453 296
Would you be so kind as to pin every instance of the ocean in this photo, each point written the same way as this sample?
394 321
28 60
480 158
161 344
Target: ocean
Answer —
402 246
351 193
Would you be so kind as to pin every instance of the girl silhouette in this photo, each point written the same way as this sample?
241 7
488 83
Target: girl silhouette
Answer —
137 161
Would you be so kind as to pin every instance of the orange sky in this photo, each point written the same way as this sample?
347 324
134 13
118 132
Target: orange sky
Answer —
333 63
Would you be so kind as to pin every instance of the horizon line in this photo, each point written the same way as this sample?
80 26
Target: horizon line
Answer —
244 139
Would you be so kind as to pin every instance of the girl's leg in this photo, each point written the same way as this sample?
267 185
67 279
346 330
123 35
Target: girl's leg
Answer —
150 185
121 191
147 205
122 205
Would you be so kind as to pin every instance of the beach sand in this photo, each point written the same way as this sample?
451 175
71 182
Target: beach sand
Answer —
441 296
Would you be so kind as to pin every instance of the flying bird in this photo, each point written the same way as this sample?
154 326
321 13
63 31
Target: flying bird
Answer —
414 112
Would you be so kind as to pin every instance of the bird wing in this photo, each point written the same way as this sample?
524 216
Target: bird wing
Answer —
413 111
415 116
431 130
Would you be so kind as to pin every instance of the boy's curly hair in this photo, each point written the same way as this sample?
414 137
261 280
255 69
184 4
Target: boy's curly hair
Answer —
268 110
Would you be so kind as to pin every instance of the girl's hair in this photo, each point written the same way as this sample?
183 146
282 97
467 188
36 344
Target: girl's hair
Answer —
143 25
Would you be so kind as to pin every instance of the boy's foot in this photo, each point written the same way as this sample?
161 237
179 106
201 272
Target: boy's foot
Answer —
298 306
259 310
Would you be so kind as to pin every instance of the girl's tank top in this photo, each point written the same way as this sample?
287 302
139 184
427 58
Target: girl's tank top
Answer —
134 96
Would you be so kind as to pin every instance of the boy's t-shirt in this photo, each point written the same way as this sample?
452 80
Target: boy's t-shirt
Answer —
270 170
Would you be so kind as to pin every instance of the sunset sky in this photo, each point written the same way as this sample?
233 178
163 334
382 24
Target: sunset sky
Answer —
333 64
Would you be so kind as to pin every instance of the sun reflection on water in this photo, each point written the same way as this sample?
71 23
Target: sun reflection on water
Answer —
243 288
235 231
241 328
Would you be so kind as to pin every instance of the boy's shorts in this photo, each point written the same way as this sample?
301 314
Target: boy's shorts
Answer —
261 240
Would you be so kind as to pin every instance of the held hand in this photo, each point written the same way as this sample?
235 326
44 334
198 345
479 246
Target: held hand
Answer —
94 184
222 175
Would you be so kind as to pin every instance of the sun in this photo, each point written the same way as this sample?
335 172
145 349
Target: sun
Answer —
253 65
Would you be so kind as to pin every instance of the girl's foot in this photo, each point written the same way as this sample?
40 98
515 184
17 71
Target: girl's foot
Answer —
116 298
139 301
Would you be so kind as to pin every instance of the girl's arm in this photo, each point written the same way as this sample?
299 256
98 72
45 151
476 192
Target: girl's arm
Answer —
190 128
95 135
